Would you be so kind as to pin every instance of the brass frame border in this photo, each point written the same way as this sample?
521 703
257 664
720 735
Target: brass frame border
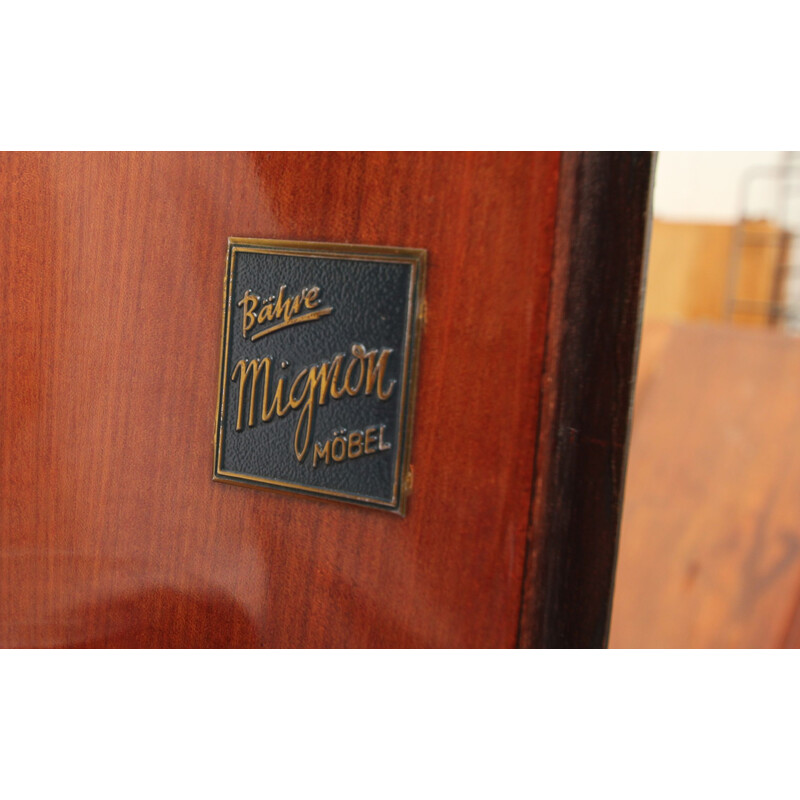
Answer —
415 317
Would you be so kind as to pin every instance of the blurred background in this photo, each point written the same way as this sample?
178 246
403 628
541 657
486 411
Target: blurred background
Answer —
710 541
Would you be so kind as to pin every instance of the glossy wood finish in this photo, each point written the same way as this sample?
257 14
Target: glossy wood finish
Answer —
710 541
112 532
593 331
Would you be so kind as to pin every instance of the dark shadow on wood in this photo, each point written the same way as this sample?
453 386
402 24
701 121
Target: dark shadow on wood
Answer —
587 391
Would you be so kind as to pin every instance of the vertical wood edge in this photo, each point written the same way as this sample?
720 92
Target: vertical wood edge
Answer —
591 350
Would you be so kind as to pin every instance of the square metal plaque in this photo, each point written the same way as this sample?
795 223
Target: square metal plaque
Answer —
318 368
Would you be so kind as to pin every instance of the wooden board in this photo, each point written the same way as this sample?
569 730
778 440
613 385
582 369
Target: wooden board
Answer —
111 530
710 539
688 267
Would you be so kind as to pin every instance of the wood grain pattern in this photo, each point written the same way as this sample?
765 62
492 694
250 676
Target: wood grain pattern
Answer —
710 540
112 530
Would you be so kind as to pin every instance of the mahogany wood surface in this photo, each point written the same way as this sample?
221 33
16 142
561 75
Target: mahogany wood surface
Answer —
112 532
710 539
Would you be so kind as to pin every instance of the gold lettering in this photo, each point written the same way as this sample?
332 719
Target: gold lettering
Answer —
268 410
283 307
354 441
306 415
316 377
312 297
287 307
251 370
377 372
340 440
325 377
336 392
304 423
248 302
358 356
295 402
320 451
343 446
312 387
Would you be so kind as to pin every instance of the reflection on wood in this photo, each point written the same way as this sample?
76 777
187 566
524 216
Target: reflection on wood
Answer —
710 541
111 529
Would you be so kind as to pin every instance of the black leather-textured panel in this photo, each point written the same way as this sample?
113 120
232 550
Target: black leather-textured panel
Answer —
362 304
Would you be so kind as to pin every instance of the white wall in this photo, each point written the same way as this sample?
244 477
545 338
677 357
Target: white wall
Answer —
705 186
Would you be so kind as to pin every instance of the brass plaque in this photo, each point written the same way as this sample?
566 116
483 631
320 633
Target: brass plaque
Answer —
318 369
